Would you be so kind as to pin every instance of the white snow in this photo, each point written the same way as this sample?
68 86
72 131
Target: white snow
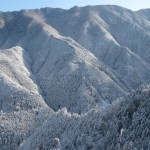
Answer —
61 72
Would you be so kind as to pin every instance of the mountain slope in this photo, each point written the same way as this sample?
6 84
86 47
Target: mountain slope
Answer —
21 104
144 13
109 32
67 74
125 125
83 59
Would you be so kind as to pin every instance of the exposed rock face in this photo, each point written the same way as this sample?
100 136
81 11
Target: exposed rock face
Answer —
83 59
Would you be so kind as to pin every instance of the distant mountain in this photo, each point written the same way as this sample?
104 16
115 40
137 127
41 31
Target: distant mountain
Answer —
144 13
81 59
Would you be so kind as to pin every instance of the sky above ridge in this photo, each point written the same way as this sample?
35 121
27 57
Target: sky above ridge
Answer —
12 5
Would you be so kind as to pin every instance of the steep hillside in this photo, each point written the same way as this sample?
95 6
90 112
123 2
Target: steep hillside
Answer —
124 126
67 74
21 104
116 36
113 34
86 59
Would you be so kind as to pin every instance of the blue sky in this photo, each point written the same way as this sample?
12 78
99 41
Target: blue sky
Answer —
10 5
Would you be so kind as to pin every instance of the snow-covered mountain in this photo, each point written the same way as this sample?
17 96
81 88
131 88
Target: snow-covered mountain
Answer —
124 126
84 59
